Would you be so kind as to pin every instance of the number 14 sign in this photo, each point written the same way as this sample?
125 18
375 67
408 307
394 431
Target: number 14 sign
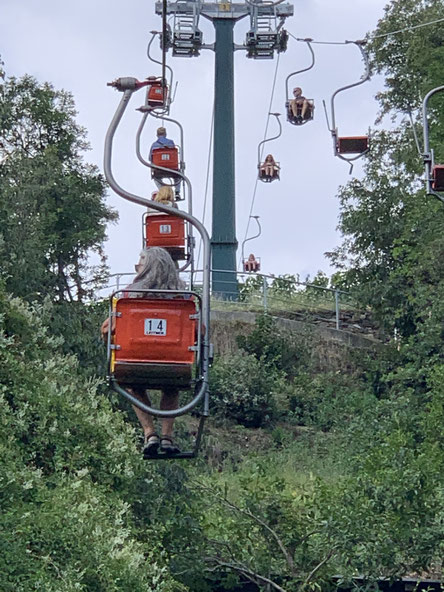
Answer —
155 326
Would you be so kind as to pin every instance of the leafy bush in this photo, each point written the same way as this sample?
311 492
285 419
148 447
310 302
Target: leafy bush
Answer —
242 388
72 480
279 350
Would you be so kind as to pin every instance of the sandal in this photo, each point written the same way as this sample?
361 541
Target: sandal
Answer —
167 445
151 446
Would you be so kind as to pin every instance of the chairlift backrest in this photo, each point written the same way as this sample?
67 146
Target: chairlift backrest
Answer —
165 231
166 157
154 341
353 145
438 177
157 94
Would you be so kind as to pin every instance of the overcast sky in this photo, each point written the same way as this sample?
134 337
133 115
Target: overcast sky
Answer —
82 45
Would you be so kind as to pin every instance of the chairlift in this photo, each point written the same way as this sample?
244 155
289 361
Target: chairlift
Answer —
345 146
156 229
434 173
156 344
162 338
299 109
269 169
251 264
158 95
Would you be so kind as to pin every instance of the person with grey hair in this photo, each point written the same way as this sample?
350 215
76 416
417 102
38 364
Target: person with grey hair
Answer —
155 271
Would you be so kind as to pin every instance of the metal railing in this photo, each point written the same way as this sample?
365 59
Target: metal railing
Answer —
268 293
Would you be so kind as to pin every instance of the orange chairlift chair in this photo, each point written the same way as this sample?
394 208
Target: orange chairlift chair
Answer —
297 118
345 147
434 173
269 170
165 231
160 338
158 88
157 93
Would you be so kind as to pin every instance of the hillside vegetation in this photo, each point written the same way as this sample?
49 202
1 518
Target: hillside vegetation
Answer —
305 473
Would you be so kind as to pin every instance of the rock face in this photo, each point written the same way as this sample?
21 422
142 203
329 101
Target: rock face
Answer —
330 346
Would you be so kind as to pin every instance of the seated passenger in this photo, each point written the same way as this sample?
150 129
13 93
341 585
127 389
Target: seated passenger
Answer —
269 168
161 142
165 196
251 264
156 271
299 107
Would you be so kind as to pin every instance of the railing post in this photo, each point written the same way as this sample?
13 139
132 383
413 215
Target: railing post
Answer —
337 308
264 292
118 282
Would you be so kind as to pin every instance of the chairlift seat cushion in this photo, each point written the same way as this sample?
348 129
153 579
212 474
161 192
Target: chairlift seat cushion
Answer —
438 177
252 266
353 145
155 376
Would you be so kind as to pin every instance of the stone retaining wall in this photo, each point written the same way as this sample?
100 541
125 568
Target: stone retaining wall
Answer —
330 346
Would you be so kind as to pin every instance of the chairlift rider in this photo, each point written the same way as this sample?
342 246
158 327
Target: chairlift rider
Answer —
155 270
299 109
269 169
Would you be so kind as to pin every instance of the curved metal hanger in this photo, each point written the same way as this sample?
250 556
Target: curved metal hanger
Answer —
277 115
308 42
251 237
333 129
428 156
150 165
170 97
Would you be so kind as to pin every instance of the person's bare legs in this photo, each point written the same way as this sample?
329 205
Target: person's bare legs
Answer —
305 106
169 401
146 420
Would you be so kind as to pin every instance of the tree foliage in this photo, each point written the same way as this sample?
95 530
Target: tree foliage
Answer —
52 209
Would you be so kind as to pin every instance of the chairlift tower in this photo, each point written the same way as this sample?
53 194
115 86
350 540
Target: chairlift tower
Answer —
264 37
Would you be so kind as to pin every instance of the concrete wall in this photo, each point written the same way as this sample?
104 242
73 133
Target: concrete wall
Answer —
330 346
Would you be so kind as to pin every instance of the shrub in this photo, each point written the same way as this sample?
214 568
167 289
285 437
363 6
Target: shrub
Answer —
242 388
279 350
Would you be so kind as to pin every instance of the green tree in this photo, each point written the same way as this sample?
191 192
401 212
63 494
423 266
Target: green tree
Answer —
53 213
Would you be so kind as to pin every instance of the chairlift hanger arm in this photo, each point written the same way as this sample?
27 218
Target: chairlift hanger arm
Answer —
154 35
425 122
150 165
428 155
277 115
164 35
364 78
308 42
251 237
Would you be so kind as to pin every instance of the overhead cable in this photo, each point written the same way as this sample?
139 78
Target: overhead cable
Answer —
206 182
265 135
410 28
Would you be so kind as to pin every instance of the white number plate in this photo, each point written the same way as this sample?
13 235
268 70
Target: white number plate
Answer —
155 327
165 229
